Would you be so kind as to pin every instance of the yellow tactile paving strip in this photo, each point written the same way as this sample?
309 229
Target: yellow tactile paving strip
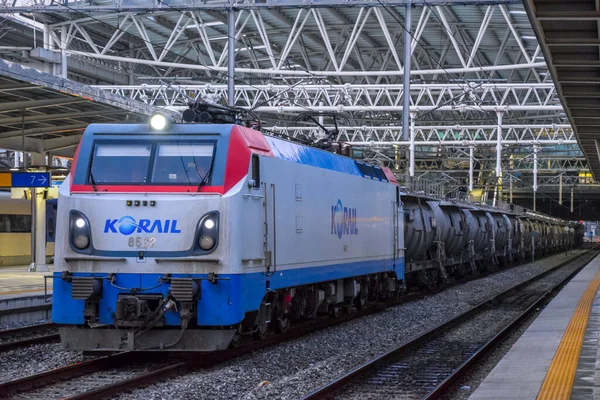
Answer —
560 376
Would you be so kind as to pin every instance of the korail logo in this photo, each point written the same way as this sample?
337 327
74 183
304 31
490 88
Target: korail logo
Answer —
343 220
127 225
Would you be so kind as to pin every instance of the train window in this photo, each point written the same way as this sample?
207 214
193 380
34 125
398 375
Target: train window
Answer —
367 170
120 163
380 174
15 223
182 163
256 171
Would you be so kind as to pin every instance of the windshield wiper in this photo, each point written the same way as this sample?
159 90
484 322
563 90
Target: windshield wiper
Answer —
205 178
91 173
93 181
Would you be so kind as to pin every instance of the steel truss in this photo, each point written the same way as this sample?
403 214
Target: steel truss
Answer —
20 6
466 101
317 43
480 91
444 135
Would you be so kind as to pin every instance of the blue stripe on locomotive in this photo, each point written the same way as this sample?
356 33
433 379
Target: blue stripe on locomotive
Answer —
310 156
281 149
221 304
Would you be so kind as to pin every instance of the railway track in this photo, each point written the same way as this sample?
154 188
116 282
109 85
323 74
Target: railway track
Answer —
426 366
11 339
109 375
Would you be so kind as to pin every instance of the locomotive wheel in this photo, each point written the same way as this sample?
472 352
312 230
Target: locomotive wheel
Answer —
360 301
281 318
237 337
334 311
260 331
460 271
373 294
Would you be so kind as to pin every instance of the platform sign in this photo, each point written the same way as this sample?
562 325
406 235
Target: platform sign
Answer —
24 179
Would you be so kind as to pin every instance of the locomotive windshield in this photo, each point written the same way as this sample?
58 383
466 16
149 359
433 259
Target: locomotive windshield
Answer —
158 163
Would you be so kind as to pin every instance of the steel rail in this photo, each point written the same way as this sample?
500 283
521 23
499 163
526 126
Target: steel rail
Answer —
190 365
62 373
25 329
222 356
358 372
491 344
53 337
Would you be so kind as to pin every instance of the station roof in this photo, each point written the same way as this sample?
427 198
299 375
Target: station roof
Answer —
569 34
40 112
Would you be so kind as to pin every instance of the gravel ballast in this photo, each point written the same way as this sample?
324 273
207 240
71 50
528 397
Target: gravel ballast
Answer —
34 359
293 369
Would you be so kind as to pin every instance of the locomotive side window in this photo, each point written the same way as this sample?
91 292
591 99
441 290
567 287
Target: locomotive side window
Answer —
381 174
120 163
367 170
256 171
182 163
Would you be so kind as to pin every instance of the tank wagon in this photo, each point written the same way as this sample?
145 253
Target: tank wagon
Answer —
193 236
450 238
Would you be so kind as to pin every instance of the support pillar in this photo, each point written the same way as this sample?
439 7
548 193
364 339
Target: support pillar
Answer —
406 72
498 191
471 162
510 185
411 166
535 173
38 222
231 57
572 198
560 185
63 52
48 67
131 66
406 82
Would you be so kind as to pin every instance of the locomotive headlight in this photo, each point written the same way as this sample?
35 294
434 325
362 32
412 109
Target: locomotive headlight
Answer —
206 242
207 234
80 235
160 122
81 241
209 223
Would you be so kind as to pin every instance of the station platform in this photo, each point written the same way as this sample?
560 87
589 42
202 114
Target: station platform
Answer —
22 297
19 282
558 357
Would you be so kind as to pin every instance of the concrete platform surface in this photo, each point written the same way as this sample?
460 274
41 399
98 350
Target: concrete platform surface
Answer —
19 282
521 373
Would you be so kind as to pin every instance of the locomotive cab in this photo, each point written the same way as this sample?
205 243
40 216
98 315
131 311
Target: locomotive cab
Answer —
140 238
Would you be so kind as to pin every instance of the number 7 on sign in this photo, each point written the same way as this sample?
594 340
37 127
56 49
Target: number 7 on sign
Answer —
33 179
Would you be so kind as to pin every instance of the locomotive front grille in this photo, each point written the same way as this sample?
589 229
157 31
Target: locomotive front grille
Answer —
184 289
84 288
